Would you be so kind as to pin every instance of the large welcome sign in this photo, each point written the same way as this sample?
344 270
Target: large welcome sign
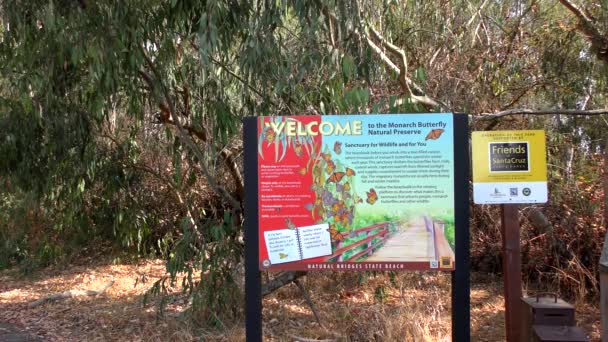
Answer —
354 192
357 192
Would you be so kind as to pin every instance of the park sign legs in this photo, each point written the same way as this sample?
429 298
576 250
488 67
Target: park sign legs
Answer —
317 185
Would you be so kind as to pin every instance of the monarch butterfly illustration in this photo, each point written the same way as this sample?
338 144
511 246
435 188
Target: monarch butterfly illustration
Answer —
283 255
345 220
298 149
335 234
347 186
350 172
372 196
335 208
330 167
338 147
327 157
316 171
270 134
434 134
336 177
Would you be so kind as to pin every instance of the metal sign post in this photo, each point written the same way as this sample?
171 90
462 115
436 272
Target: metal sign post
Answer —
253 279
461 288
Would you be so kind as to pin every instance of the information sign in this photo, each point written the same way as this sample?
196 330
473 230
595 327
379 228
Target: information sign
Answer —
356 192
509 167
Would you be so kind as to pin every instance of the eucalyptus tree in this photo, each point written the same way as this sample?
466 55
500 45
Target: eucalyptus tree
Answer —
97 95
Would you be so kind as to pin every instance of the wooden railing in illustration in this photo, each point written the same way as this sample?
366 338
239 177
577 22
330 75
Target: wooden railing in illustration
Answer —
380 236
441 245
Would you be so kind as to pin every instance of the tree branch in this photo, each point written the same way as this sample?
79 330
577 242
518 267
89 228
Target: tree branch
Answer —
578 13
183 135
226 154
599 41
308 300
281 280
415 91
518 111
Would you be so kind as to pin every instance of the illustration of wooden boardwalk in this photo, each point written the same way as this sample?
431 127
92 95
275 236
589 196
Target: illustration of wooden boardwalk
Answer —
413 242
419 240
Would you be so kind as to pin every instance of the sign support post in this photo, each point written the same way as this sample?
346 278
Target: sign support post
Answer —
461 288
511 265
253 279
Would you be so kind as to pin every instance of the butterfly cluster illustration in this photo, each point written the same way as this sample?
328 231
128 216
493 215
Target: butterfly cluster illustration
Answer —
335 197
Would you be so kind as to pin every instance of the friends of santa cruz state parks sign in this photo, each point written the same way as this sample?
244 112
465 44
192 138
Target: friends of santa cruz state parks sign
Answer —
356 192
509 167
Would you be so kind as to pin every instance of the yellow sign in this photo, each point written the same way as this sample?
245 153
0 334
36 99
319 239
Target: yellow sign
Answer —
509 167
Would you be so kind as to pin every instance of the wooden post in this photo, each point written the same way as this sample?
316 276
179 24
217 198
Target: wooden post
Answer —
604 298
511 269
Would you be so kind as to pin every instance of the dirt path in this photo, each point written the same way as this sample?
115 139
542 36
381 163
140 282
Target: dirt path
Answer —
12 333
353 307
117 315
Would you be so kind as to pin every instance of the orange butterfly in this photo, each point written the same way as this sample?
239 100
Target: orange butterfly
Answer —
330 167
434 134
327 157
335 234
298 149
372 196
350 172
338 147
335 208
270 135
345 220
336 177
316 171
347 186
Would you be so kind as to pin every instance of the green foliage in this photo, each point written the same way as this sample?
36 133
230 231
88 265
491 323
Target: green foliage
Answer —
85 89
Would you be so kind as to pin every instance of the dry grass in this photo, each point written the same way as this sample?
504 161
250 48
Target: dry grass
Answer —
353 307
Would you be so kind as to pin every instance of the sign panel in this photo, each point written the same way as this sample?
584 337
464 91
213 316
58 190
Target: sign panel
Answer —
509 167
356 192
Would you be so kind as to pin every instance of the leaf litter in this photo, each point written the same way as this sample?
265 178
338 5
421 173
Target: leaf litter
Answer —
413 306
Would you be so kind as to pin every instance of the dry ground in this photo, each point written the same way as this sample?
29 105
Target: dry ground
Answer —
352 306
